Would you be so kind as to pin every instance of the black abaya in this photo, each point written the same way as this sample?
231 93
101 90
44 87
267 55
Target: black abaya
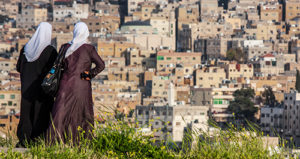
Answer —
35 104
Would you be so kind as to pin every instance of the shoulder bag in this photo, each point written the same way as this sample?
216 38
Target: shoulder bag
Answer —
51 82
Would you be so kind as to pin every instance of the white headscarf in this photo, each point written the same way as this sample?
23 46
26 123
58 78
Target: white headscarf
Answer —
80 36
38 42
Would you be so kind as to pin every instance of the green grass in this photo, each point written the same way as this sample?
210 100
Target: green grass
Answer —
120 139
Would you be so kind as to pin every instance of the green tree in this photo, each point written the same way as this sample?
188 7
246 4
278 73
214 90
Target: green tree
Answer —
236 54
243 106
269 96
298 81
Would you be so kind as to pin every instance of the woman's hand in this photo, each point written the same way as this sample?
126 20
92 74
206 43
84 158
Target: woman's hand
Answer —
85 76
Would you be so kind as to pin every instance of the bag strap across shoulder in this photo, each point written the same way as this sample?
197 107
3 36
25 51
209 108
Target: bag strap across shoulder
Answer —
61 55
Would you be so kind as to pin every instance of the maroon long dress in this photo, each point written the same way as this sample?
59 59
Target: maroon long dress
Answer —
73 107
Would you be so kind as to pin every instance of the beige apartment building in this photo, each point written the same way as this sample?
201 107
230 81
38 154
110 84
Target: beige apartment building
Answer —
102 25
109 94
271 12
116 74
113 48
187 14
151 41
189 34
61 27
10 101
31 16
235 71
10 9
145 58
9 124
292 9
106 9
144 12
256 51
104 102
209 10
164 25
5 46
114 61
61 38
210 77
166 59
266 31
132 6
7 64
21 43
294 25
235 21
160 86
267 65
180 76
277 83
281 47
211 29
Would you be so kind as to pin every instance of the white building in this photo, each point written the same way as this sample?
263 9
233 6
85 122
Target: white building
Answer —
76 12
271 120
291 114
170 121
221 98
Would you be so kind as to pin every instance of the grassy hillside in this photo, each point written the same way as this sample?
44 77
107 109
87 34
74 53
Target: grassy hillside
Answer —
119 139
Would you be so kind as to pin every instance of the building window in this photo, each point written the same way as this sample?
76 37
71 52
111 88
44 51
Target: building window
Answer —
10 103
2 96
160 58
140 112
12 96
178 58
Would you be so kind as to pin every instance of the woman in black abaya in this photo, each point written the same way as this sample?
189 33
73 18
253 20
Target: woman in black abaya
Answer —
35 60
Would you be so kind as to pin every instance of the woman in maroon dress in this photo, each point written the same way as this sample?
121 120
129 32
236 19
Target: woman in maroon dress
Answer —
73 107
